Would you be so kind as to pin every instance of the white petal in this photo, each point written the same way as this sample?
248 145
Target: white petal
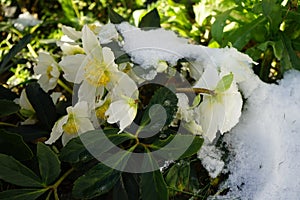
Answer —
212 115
120 111
88 93
44 60
91 44
71 32
71 66
81 110
67 137
57 130
233 102
24 102
84 125
124 85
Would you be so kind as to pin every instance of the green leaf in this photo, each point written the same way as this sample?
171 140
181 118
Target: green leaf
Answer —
6 93
13 144
8 107
224 84
289 58
150 20
14 50
68 9
76 151
160 111
178 146
49 163
218 26
29 133
153 186
14 172
42 104
178 176
127 187
272 11
97 181
21 194
114 17
241 36
193 148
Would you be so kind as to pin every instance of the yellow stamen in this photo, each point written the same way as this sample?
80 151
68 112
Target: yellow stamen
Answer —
48 72
96 74
71 127
100 111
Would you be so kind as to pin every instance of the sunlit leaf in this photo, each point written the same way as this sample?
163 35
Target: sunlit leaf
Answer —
14 50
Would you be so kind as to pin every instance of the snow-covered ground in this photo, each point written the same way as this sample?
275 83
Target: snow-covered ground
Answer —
266 144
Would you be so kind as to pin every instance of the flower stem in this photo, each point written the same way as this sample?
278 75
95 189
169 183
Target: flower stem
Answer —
196 90
184 192
58 182
63 85
7 124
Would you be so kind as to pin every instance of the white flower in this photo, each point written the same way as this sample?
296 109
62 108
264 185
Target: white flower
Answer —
95 69
25 20
123 108
26 109
49 71
221 111
186 114
71 125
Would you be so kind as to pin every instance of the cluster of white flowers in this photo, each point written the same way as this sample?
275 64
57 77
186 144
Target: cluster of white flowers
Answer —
108 92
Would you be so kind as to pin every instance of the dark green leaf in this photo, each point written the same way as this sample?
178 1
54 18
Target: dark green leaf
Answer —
97 181
29 132
289 58
241 36
76 151
160 111
114 17
178 146
49 163
153 186
22 194
14 172
42 104
13 144
127 187
6 93
193 148
272 11
150 20
178 176
16 49
218 26
8 107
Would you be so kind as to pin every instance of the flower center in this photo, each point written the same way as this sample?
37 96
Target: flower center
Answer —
96 74
100 111
48 72
71 127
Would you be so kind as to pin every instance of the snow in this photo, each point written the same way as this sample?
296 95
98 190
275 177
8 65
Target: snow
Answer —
265 143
